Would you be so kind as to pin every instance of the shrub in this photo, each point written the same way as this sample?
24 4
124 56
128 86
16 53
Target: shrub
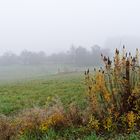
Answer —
114 92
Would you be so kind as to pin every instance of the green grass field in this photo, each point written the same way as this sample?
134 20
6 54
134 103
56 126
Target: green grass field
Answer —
17 96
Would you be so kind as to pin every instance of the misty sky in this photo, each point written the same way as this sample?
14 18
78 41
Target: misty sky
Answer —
54 25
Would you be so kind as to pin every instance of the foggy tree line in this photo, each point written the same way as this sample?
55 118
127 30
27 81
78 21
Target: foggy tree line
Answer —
78 56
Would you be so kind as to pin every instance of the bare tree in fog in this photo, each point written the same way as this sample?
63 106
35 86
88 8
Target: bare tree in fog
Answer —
32 58
9 58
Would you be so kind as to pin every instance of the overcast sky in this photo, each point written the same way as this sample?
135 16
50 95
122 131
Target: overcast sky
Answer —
54 25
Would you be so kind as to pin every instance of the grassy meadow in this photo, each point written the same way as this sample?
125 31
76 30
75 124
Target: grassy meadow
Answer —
20 95
24 93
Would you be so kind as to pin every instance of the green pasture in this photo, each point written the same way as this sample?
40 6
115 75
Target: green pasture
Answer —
20 95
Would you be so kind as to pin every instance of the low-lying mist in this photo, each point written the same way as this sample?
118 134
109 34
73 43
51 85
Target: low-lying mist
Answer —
29 64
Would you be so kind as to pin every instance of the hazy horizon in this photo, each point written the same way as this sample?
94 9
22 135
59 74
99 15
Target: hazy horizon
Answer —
53 26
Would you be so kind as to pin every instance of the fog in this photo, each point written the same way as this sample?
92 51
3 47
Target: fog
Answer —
39 37
54 25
